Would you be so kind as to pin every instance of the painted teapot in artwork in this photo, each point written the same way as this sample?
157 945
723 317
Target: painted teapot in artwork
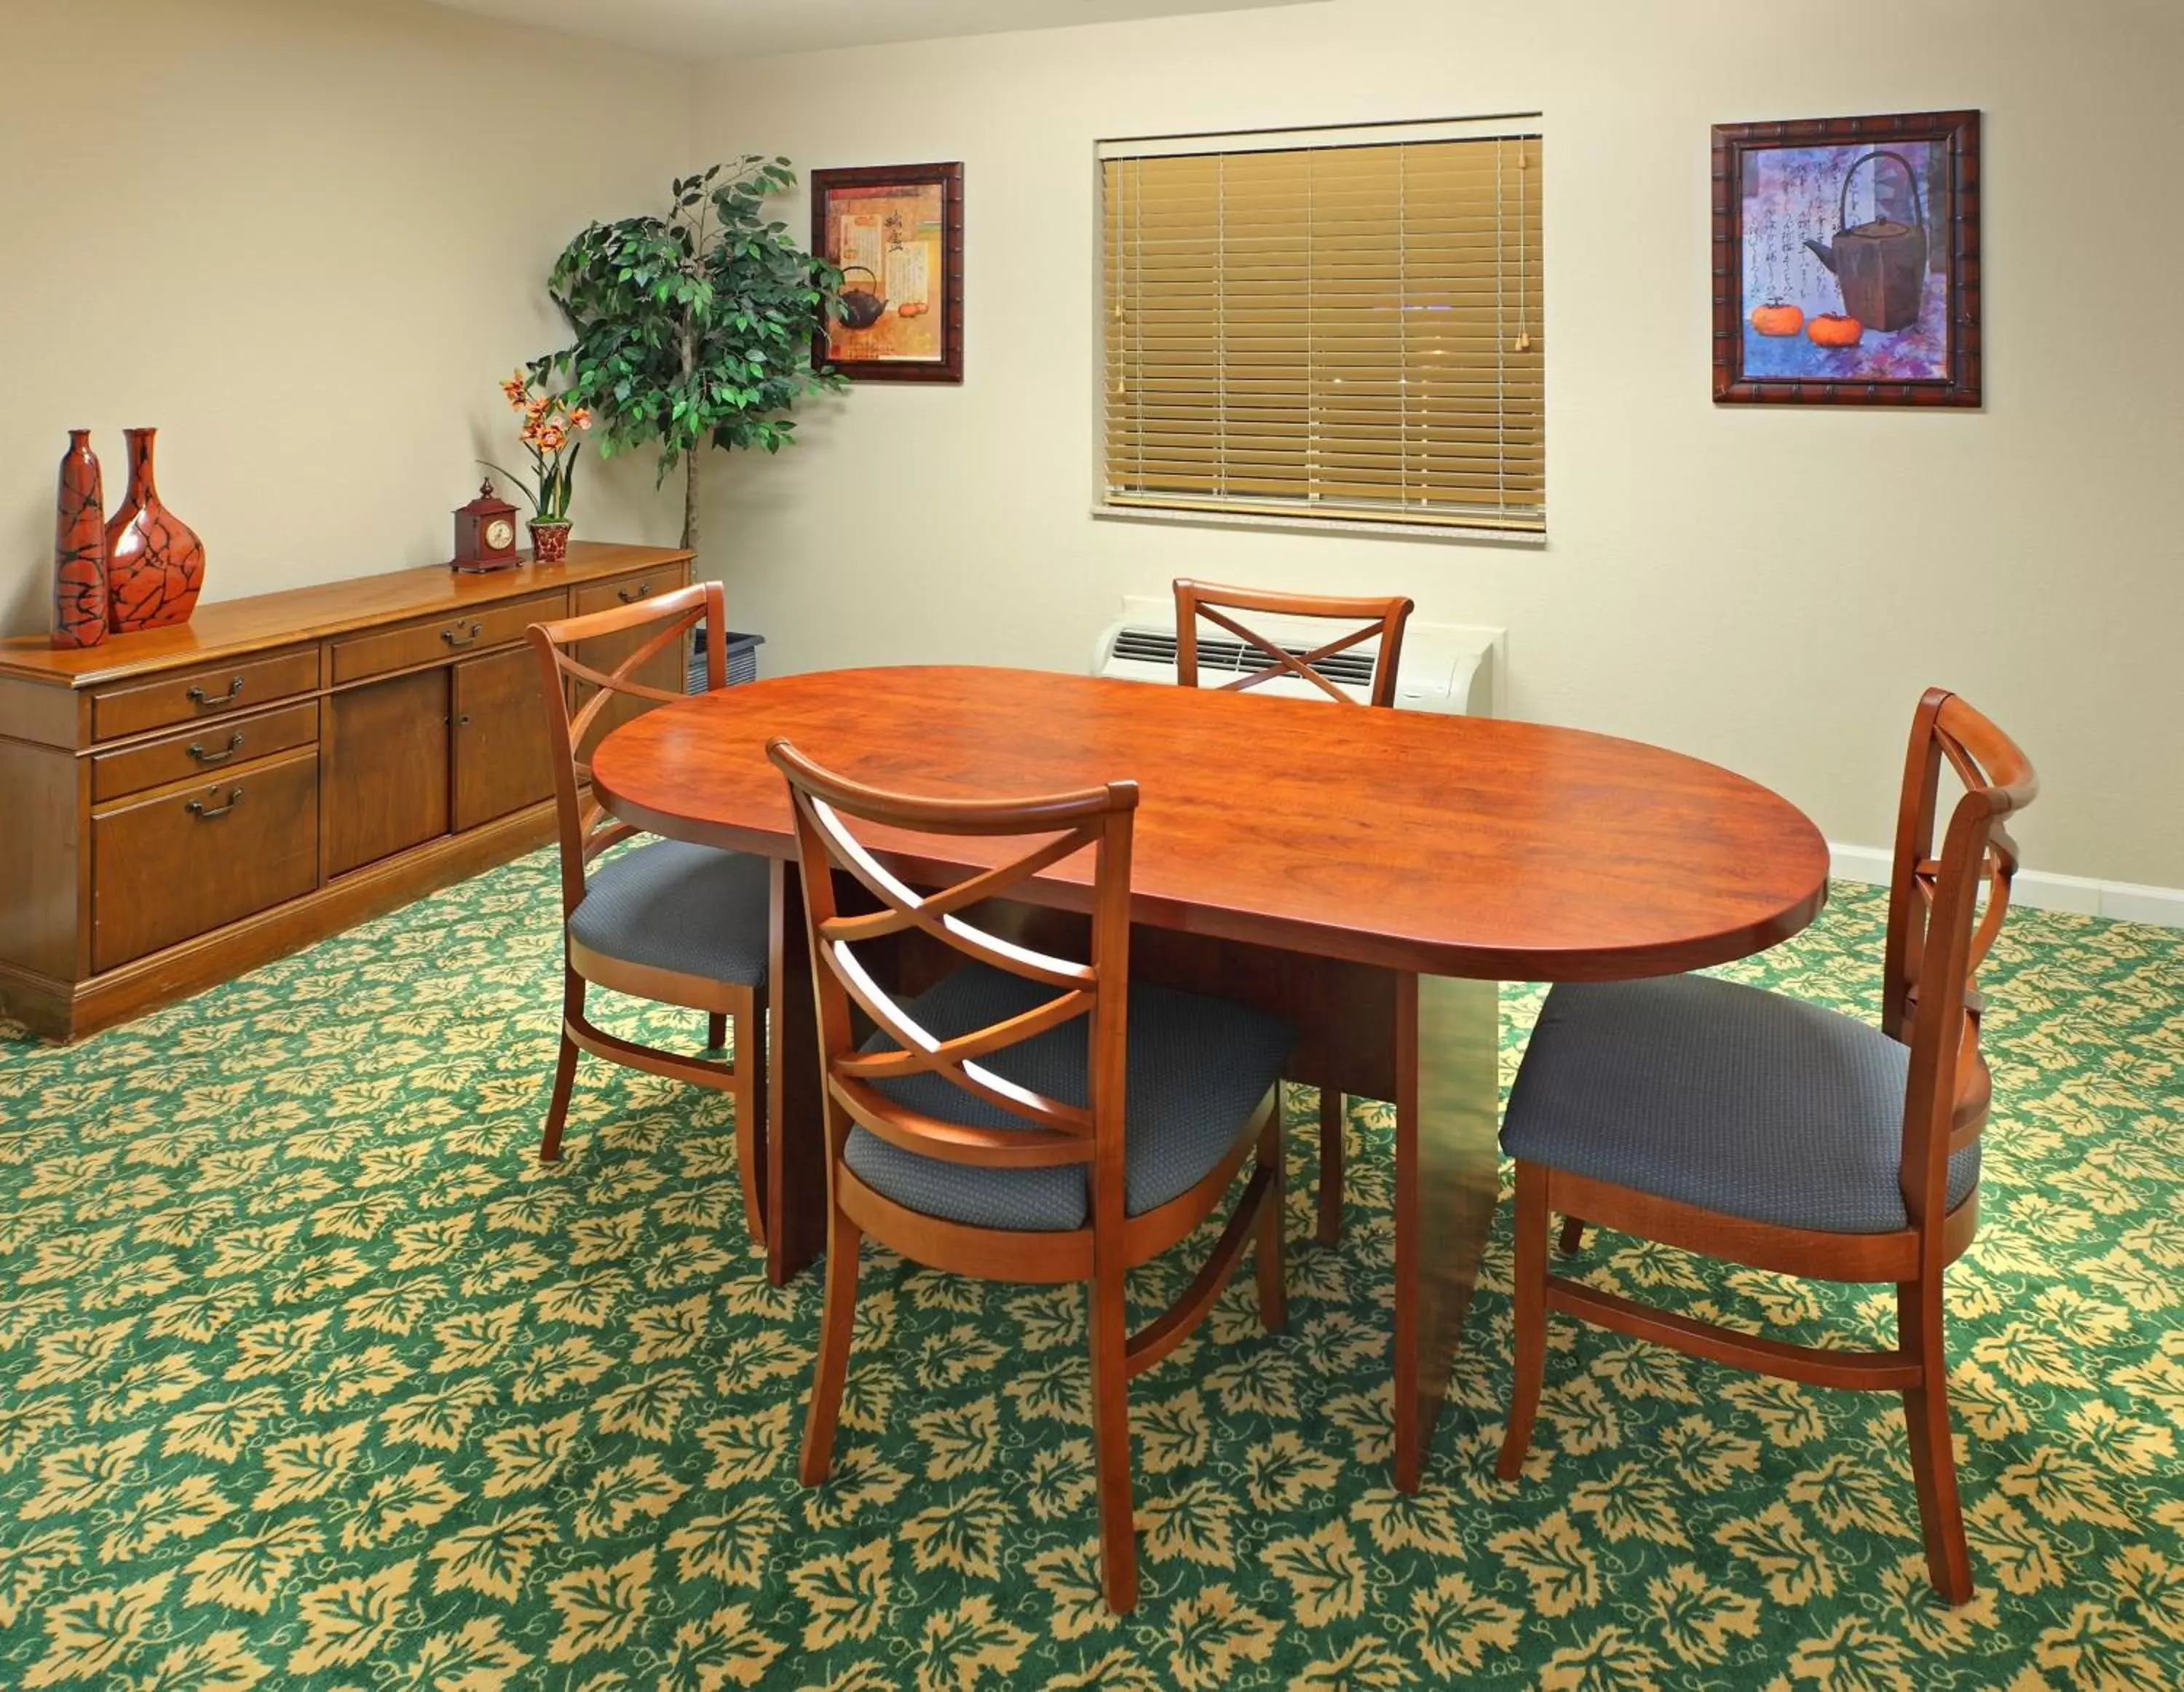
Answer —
1880 265
863 307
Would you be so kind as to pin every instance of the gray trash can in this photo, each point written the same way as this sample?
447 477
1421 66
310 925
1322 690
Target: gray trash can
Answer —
741 656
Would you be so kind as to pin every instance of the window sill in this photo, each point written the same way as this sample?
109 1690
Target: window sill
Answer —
1524 539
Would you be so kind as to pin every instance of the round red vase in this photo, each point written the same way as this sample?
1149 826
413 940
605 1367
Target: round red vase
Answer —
155 563
80 548
549 543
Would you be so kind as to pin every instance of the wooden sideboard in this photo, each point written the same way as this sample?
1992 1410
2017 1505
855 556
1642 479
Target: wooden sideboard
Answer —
184 804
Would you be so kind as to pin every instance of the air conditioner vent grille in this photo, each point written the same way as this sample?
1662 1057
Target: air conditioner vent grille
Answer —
1353 668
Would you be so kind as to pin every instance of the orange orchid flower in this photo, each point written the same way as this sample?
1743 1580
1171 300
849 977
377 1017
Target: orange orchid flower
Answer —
548 429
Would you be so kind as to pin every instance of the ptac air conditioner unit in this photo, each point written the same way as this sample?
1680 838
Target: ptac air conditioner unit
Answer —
1444 667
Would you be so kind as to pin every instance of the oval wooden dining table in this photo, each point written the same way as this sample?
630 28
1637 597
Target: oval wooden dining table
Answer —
1371 875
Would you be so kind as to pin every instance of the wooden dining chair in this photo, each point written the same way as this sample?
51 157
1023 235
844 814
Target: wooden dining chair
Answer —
1029 1117
1373 619
1751 1127
665 920
1376 618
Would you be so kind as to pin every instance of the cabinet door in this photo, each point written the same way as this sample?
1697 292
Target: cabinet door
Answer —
386 770
503 751
665 669
188 859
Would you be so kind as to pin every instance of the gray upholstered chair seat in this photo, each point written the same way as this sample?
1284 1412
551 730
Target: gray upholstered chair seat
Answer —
1746 1102
671 905
1197 1069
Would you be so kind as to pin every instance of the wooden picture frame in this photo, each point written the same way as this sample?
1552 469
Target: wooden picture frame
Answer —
1785 195
890 227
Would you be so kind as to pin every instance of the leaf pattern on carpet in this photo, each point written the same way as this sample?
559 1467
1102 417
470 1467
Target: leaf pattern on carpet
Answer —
311 1375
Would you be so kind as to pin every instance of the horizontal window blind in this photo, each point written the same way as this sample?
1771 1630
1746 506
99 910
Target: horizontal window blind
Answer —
1336 328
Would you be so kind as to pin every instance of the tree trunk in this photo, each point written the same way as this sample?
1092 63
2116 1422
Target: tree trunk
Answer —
690 457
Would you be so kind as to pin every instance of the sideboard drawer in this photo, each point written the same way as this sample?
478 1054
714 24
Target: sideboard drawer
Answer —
197 695
384 652
167 867
203 750
627 590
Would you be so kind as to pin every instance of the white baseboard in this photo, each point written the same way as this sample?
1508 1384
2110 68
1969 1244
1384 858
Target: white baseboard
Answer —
2123 901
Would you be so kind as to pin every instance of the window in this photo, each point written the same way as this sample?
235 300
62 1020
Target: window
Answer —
1327 326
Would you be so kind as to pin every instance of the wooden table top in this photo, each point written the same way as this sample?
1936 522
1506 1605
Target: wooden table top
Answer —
1454 846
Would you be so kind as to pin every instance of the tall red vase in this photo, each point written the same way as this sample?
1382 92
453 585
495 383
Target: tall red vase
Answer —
154 564
80 548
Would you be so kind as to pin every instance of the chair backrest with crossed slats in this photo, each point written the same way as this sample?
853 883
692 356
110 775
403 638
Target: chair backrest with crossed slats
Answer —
1381 619
1054 1131
655 624
1939 933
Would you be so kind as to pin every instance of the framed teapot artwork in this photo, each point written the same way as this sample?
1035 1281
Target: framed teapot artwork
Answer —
1846 261
896 234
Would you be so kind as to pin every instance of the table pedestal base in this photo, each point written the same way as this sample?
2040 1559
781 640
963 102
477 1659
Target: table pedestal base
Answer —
1447 1174
794 1178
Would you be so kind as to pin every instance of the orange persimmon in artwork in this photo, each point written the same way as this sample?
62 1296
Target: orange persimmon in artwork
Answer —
1831 329
1777 318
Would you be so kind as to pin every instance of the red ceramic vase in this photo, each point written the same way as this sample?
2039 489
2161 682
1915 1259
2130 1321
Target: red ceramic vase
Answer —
79 548
549 543
154 565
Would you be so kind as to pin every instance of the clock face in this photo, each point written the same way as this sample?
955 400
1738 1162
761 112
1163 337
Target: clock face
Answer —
500 534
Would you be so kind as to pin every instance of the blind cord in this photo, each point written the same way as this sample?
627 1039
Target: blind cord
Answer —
1403 327
1138 317
1311 418
1221 311
1500 343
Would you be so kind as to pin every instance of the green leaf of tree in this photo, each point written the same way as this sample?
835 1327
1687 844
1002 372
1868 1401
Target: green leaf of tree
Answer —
691 328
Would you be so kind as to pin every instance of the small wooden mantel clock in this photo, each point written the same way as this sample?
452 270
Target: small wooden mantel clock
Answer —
484 533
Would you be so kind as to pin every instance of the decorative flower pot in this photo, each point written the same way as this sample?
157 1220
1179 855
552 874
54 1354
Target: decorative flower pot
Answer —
80 548
549 543
154 564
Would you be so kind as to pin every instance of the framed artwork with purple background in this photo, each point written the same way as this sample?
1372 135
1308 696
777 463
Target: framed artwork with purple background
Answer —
1846 261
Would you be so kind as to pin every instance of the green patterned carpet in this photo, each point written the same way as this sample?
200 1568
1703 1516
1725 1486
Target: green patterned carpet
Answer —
309 1375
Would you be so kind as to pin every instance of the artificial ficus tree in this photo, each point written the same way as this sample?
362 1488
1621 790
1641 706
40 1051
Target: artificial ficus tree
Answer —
697 327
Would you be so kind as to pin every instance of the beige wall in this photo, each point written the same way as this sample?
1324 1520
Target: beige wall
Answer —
304 241
1769 589
311 276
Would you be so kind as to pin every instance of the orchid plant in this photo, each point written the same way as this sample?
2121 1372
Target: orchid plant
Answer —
549 433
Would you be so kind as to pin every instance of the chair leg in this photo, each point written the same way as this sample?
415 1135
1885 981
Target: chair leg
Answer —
564 1069
716 1032
1530 1293
832 1368
1933 1458
1274 1288
1573 1235
1331 1114
1110 1436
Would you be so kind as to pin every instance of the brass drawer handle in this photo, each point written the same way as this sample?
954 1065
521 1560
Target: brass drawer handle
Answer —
205 813
234 746
456 636
204 701
643 591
